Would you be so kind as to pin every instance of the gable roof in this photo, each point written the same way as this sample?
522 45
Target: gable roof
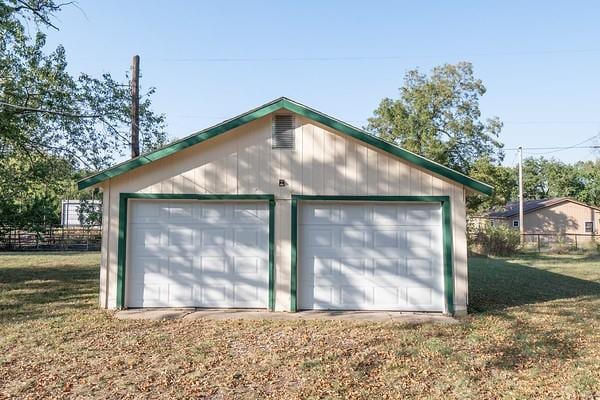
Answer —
284 103
512 208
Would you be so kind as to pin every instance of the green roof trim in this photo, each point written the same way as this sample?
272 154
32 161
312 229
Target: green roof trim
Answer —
300 109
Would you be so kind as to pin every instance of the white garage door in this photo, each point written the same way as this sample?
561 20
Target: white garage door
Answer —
197 254
370 256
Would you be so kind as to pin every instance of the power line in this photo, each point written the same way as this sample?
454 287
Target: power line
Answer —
533 122
562 148
382 57
553 148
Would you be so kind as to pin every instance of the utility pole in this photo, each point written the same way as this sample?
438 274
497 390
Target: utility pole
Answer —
135 106
521 227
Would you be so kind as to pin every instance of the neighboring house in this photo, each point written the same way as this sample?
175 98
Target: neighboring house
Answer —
558 215
72 216
284 208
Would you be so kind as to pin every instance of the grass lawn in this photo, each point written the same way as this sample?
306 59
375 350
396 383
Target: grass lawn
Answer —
534 332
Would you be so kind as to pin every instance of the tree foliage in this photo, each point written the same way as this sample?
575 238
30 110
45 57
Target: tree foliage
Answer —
54 124
544 178
438 116
32 189
45 110
503 179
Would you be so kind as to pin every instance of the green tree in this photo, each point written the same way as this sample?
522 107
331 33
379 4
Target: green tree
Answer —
32 188
438 116
588 173
535 181
53 124
546 178
46 111
505 182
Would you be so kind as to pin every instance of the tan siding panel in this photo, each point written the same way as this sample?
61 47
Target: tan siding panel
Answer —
307 159
317 172
351 177
339 165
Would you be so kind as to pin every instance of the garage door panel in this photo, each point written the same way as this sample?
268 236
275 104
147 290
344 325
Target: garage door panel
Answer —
419 239
180 236
388 268
419 296
319 237
249 237
210 212
180 294
148 237
388 296
179 212
149 293
210 265
352 268
353 295
387 215
325 266
353 237
197 254
421 267
390 237
322 297
142 266
353 214
250 214
211 296
247 265
422 216
369 257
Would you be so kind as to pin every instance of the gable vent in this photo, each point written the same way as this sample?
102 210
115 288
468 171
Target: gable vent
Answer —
283 132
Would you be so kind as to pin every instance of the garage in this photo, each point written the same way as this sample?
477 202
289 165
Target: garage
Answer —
370 256
284 208
198 254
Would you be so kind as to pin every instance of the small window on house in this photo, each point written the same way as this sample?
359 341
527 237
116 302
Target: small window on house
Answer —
283 132
516 223
589 227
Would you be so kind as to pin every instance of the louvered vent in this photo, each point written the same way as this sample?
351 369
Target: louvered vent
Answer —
283 132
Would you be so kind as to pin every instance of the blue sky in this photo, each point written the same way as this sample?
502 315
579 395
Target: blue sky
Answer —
540 61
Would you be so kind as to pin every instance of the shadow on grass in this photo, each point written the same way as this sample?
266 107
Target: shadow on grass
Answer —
28 293
529 338
495 284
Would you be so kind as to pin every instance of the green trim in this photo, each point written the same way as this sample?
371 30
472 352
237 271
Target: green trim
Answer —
422 199
193 196
300 109
446 237
122 250
448 259
272 255
294 270
122 241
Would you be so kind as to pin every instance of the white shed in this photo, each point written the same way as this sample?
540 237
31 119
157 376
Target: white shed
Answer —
284 208
71 214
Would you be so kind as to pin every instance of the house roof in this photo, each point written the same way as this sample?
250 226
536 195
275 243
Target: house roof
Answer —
512 208
284 103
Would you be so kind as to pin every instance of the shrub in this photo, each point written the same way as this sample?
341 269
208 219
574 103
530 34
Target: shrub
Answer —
496 240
